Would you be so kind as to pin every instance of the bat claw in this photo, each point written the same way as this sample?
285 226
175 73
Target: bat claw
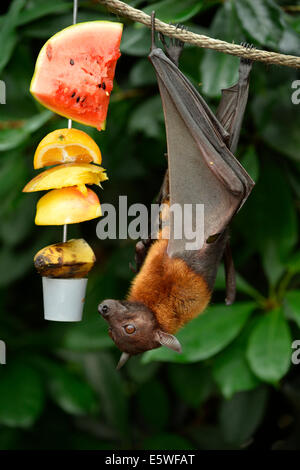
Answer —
161 37
132 268
177 42
174 47
247 46
229 302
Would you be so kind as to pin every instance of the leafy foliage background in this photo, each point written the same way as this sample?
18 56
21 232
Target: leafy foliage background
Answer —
234 385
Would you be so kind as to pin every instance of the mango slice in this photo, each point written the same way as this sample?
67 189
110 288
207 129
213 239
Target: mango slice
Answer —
68 174
67 206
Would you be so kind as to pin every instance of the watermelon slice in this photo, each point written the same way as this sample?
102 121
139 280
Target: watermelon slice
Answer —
75 69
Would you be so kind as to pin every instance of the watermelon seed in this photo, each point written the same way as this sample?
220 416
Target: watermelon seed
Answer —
72 62
83 99
103 86
77 99
73 94
99 85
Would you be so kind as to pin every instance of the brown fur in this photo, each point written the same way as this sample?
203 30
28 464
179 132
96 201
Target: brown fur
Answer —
169 288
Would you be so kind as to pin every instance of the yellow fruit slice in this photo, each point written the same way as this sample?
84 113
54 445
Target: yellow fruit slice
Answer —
72 259
69 174
66 146
67 206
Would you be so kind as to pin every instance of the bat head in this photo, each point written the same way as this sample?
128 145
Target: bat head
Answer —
134 329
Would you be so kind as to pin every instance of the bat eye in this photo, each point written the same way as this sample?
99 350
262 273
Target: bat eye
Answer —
110 332
129 329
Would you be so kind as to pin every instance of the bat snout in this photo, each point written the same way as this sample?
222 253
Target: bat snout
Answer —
103 310
108 308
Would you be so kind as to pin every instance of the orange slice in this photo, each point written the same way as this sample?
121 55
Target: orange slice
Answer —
66 146
69 174
67 206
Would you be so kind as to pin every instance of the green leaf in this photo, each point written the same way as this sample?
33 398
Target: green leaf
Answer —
69 391
91 334
8 36
277 118
290 42
101 372
292 306
192 383
242 414
206 335
139 372
231 370
16 225
147 118
44 28
190 56
218 73
167 441
142 73
12 138
295 23
172 11
39 8
155 417
36 122
293 263
250 162
273 262
219 70
136 41
16 264
269 348
10 173
22 395
261 19
16 76
269 224
241 284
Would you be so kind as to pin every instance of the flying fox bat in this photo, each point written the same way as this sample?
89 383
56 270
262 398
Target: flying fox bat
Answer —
174 284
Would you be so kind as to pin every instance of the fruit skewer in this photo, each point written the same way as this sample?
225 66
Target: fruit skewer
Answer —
73 77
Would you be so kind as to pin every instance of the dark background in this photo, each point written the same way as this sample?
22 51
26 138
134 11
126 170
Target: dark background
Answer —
234 385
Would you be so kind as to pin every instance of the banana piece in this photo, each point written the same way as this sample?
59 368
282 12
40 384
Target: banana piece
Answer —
72 259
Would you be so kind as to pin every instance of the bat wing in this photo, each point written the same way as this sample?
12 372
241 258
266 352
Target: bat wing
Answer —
202 170
232 106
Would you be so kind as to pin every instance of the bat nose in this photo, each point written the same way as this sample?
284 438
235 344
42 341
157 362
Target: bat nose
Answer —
103 309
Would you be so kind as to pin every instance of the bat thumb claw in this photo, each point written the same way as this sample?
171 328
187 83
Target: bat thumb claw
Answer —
229 301
132 268
153 45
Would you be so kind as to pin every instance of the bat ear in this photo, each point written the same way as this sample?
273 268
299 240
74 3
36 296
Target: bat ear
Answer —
170 341
123 359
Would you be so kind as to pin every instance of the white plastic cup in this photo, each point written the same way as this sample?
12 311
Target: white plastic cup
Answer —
64 299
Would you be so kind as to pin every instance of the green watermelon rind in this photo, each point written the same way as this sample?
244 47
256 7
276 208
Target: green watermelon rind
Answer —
41 53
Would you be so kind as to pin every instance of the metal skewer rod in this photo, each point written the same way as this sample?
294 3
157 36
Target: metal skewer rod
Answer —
75 10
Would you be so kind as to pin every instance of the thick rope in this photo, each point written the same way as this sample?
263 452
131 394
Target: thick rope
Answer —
200 40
